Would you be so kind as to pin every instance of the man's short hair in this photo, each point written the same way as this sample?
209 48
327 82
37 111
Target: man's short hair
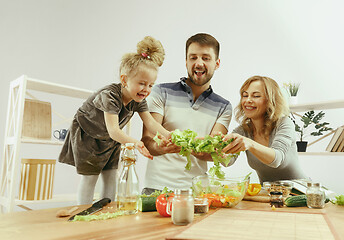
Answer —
204 39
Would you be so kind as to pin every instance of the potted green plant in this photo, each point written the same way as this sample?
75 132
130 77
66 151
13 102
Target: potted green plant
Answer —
309 119
292 89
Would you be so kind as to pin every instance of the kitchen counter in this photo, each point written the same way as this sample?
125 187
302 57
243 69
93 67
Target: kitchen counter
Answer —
43 224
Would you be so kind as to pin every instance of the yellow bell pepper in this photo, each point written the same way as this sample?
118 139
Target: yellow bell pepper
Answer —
253 189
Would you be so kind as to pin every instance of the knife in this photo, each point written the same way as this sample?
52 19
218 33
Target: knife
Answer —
97 206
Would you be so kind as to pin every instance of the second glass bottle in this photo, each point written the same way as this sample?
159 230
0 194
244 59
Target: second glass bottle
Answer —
128 182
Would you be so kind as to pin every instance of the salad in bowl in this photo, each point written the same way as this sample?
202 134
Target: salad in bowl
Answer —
227 192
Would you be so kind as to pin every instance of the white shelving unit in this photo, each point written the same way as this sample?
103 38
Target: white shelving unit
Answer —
13 139
319 106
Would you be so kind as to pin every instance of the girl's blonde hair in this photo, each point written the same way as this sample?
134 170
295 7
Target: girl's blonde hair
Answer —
150 53
275 110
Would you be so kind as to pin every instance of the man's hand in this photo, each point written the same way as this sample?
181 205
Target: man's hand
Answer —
202 156
168 147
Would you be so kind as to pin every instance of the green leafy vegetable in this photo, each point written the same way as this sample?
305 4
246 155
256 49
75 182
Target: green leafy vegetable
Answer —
216 187
216 170
157 139
339 200
185 140
101 216
209 144
156 193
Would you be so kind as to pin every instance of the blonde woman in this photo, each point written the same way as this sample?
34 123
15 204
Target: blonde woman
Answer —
94 140
265 132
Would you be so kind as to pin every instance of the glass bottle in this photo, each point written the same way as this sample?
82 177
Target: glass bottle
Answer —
315 196
182 207
128 183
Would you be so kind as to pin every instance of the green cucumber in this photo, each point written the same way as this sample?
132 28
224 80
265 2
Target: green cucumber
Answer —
147 204
296 201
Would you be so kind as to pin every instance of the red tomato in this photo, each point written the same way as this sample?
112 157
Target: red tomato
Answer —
161 203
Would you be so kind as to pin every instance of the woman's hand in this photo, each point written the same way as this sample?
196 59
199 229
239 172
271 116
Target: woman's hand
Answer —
240 143
143 150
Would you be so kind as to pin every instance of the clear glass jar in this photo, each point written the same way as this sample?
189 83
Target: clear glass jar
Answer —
201 205
315 196
182 207
276 199
128 191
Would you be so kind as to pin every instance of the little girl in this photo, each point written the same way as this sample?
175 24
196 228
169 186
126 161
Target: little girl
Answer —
94 140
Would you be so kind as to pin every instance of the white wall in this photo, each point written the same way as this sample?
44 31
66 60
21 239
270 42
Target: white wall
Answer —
80 43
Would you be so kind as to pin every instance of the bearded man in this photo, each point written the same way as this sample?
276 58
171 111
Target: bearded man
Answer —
187 104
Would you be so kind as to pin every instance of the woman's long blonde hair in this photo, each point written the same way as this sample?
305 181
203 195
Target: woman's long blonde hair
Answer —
275 110
150 53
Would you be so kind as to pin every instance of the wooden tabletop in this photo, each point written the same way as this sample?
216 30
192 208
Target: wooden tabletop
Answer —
43 224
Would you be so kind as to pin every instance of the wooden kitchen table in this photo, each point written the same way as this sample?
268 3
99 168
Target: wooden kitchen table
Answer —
43 224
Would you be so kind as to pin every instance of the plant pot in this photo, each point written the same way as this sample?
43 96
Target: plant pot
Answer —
293 100
301 146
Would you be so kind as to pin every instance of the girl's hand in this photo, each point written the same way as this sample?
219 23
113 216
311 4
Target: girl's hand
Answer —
143 150
240 143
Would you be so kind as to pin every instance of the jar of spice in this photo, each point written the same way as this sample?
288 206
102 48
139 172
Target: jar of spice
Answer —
201 205
276 199
315 196
182 207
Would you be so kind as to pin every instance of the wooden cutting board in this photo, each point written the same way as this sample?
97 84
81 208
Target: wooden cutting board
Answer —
262 196
264 199
259 225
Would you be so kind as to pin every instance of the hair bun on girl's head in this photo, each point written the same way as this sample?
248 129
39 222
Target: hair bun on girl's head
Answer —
150 52
151 49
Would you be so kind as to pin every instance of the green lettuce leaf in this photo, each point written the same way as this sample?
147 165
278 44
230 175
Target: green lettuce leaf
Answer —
209 144
339 200
157 139
101 216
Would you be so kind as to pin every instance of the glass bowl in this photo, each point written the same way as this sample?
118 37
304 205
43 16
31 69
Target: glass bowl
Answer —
226 192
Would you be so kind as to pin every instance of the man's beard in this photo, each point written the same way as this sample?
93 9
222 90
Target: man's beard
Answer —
202 82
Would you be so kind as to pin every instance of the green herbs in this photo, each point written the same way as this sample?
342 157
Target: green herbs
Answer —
209 144
339 200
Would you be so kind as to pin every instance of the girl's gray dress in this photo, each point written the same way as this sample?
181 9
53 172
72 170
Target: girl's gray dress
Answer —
88 145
